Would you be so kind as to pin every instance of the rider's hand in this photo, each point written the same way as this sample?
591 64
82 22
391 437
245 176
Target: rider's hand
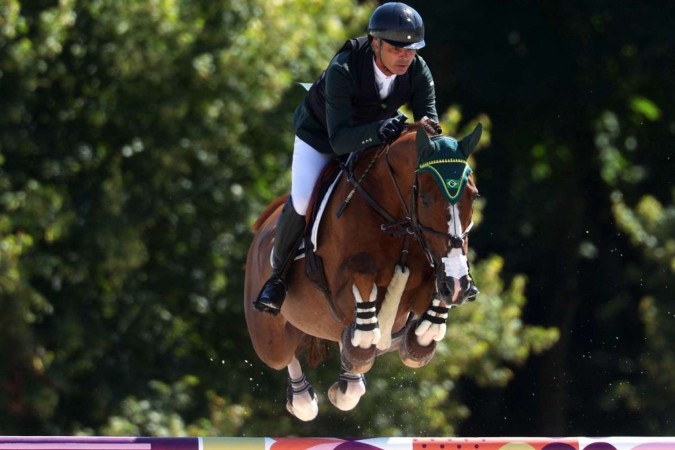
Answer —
390 129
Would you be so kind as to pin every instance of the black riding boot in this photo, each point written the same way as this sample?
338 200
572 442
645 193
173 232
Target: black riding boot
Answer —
287 238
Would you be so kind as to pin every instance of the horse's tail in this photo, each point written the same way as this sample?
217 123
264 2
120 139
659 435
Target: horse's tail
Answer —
316 350
268 212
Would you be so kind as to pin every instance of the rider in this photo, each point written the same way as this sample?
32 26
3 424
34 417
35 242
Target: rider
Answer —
351 106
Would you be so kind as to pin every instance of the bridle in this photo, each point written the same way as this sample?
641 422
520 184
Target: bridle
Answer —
410 225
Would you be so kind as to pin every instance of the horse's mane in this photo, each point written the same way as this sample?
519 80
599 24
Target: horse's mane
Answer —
268 212
431 127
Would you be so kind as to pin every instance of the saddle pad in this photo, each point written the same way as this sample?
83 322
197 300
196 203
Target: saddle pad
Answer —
314 236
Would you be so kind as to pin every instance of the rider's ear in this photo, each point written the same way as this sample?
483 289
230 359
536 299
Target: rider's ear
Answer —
424 147
469 142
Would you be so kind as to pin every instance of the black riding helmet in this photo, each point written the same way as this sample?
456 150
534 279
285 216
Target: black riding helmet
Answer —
398 24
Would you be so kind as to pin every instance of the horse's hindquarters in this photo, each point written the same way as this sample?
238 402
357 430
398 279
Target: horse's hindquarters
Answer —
273 339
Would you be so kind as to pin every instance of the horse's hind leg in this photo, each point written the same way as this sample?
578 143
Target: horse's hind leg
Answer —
348 390
301 399
275 342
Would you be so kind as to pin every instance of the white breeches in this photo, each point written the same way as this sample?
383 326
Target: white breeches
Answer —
305 169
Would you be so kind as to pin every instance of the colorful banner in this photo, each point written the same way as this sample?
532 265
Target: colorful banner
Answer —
329 443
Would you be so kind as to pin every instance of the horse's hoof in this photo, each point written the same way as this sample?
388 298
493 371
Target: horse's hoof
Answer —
348 402
305 414
356 359
412 354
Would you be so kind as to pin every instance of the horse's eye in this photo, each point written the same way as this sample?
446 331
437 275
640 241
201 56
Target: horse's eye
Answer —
426 199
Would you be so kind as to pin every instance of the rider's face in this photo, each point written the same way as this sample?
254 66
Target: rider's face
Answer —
391 59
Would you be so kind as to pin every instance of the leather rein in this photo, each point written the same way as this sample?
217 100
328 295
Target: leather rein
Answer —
410 224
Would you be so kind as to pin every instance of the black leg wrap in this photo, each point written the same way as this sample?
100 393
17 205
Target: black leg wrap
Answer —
366 311
346 377
297 387
441 315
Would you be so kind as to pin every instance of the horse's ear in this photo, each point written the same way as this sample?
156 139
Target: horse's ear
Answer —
469 142
424 147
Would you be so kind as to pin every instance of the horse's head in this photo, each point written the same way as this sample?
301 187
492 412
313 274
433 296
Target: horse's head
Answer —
443 202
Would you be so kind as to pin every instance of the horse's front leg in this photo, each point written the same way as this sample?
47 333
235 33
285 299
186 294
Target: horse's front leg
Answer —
432 325
366 329
359 339
419 341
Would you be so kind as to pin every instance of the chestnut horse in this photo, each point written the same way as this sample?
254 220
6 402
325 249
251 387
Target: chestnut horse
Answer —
393 245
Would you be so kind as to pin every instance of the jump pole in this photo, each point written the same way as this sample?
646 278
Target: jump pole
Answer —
329 443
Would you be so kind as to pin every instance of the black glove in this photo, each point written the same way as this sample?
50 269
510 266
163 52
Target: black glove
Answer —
391 128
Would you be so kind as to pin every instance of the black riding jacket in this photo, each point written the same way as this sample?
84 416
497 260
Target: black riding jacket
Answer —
342 110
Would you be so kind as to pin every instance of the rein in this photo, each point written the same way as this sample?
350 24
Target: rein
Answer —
357 184
403 226
410 224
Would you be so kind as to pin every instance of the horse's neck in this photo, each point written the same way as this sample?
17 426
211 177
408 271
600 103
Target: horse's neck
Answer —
401 161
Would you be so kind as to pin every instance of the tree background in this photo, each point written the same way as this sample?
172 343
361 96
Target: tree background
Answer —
139 140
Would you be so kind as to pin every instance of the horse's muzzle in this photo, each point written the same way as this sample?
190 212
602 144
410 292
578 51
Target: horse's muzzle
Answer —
455 291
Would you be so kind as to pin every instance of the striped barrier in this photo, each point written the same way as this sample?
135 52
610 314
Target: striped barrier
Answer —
267 443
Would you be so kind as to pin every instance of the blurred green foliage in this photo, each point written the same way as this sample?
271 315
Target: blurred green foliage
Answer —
139 140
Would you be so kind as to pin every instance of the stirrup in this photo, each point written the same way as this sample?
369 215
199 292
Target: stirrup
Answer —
271 296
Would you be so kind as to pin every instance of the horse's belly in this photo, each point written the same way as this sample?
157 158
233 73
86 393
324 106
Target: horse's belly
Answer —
312 318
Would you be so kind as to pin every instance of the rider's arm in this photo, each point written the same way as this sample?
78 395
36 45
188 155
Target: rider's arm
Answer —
423 101
344 136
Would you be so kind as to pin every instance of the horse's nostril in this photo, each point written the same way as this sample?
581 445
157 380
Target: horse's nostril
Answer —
472 292
446 289
469 289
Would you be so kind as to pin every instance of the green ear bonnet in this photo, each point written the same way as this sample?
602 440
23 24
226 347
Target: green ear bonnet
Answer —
448 166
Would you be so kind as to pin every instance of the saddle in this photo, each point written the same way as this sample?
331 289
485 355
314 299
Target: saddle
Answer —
313 262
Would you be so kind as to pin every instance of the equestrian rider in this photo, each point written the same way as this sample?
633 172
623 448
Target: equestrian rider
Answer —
351 106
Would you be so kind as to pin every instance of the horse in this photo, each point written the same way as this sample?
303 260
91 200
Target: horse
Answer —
391 258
